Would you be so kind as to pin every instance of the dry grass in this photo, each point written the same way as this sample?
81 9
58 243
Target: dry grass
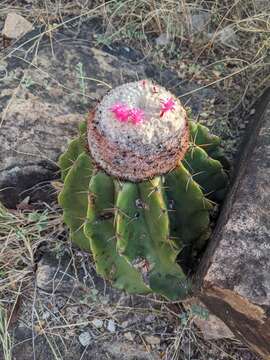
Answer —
59 317
238 68
5 339
21 234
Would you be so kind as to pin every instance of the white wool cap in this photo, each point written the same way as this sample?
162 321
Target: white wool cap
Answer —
138 151
154 129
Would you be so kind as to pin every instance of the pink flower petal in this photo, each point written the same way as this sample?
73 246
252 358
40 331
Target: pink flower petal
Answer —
167 105
121 112
136 115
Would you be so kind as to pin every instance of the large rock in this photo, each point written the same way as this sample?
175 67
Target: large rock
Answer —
235 270
47 85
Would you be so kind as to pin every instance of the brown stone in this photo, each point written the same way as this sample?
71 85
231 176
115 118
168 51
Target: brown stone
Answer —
235 271
16 26
211 327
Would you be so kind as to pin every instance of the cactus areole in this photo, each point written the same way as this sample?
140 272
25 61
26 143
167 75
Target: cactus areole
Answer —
140 183
138 151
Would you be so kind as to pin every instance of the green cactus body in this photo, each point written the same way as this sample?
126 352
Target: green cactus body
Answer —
136 229
99 228
76 147
189 213
201 136
74 199
142 228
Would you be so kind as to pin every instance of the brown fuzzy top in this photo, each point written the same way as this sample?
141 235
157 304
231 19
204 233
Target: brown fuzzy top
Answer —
128 165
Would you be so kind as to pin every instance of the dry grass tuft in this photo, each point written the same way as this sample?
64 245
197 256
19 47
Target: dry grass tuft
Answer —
22 234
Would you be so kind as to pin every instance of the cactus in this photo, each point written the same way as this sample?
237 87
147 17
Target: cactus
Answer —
140 182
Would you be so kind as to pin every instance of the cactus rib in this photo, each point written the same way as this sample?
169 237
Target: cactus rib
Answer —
99 229
143 233
73 199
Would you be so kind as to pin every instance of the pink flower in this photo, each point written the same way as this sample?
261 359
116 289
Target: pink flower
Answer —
121 112
167 105
136 115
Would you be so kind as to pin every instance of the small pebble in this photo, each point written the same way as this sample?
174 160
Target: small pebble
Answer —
162 40
242 126
85 338
152 340
111 326
129 336
125 324
150 318
97 323
204 115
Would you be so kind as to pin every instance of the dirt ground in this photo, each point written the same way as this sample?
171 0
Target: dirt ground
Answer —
52 303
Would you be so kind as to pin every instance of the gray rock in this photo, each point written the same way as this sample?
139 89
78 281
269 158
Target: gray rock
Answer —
16 26
97 323
111 327
235 270
150 318
85 339
55 276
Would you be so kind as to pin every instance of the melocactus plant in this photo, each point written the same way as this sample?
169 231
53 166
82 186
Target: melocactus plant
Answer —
139 184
